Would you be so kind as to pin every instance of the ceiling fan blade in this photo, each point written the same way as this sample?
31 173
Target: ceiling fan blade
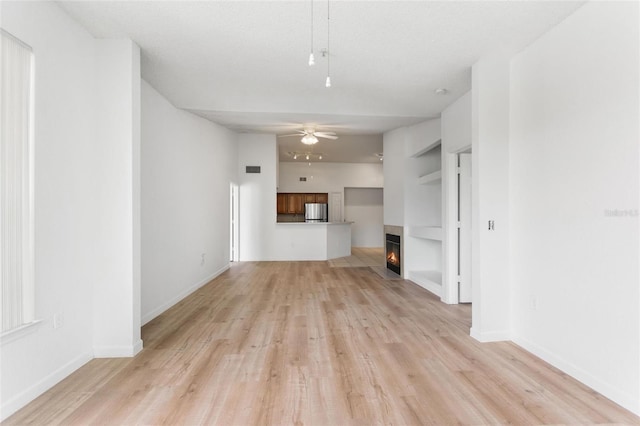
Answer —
326 133
293 134
325 136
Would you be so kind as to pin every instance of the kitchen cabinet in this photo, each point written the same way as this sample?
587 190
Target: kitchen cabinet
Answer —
295 204
282 203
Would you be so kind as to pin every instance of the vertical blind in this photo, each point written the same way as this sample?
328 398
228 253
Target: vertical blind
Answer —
16 188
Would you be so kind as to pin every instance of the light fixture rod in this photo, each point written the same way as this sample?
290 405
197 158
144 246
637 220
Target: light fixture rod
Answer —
328 82
311 58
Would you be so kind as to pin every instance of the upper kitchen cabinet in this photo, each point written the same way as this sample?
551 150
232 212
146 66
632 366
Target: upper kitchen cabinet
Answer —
295 204
322 198
282 203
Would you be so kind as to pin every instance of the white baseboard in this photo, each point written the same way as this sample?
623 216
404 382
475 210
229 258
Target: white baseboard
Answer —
117 351
17 402
137 347
490 336
427 285
160 309
618 396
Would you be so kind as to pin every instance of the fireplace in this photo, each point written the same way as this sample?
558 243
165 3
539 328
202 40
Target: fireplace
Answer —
393 253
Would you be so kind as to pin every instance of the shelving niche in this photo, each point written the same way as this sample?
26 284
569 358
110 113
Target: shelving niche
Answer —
422 150
430 178
424 231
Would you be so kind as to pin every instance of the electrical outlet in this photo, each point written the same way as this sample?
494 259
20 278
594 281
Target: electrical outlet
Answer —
58 320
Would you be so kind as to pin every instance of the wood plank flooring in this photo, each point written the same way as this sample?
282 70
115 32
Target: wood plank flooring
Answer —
360 256
300 343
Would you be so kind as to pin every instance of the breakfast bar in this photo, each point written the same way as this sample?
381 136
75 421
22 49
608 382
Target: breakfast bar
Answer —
314 240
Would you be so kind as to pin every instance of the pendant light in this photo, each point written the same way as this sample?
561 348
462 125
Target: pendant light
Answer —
328 81
309 139
312 60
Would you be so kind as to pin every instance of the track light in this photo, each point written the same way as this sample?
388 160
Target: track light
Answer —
308 156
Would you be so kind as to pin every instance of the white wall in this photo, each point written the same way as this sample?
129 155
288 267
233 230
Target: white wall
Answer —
393 170
574 155
188 164
257 203
329 177
83 189
456 124
116 293
364 207
490 199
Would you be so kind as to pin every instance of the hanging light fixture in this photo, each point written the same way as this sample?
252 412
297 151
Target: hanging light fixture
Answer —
328 81
312 60
309 139
307 156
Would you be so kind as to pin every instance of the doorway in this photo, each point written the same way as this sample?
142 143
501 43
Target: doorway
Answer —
464 227
233 223
364 207
457 235
336 207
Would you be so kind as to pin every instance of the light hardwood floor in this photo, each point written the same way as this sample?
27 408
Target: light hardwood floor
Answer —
302 343
360 256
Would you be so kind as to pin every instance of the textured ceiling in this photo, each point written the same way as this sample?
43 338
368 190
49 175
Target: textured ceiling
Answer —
243 64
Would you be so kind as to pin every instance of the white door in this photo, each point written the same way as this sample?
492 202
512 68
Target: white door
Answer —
336 207
464 230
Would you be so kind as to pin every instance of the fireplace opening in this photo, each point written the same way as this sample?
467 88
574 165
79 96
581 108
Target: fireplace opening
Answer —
393 253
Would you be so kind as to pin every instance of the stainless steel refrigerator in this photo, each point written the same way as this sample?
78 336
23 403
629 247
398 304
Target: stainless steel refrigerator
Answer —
315 212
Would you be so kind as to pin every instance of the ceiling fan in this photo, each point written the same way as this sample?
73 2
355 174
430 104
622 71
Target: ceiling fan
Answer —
310 136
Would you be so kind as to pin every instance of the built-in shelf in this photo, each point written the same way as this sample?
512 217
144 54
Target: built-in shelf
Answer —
430 178
427 148
426 232
430 280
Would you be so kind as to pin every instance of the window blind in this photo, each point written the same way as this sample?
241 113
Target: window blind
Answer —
16 188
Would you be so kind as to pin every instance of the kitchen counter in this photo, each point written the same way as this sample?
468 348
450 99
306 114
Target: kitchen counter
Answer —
314 240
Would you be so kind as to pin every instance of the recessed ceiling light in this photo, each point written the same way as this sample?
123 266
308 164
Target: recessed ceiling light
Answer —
441 91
